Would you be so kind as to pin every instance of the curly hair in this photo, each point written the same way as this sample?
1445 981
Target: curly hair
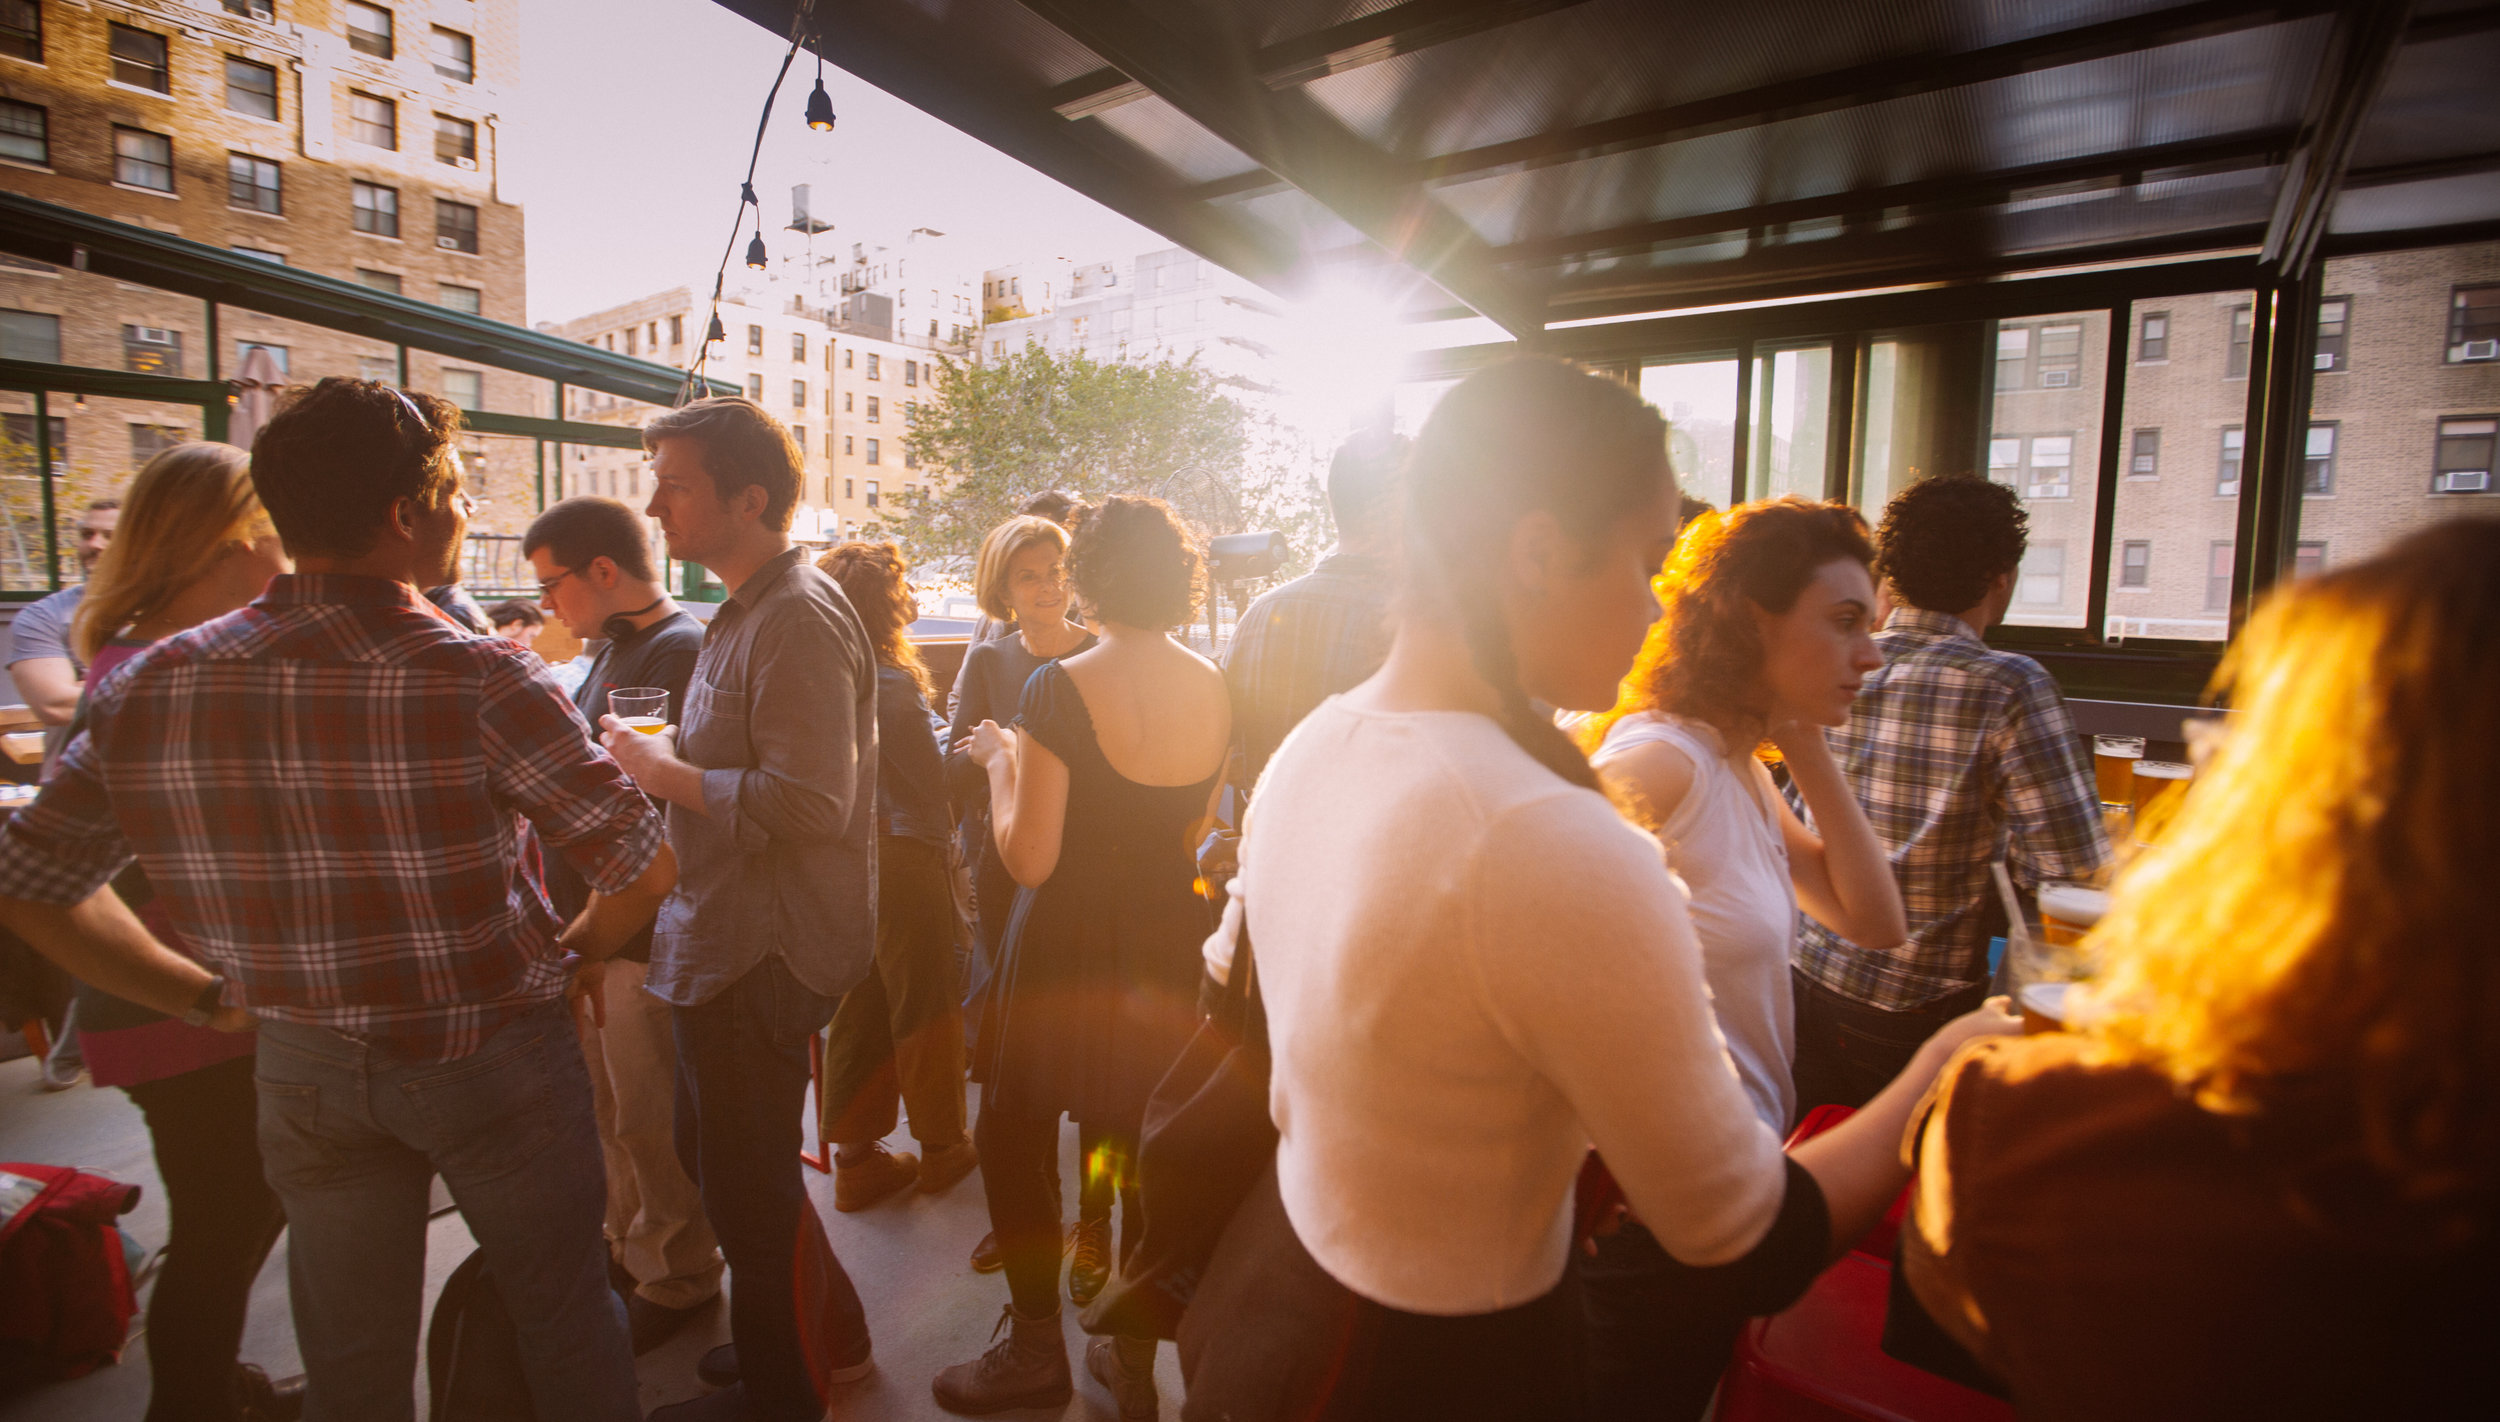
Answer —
1944 540
871 576
335 458
1133 562
1703 657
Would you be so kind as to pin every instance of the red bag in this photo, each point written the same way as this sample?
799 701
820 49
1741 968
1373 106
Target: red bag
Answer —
65 1293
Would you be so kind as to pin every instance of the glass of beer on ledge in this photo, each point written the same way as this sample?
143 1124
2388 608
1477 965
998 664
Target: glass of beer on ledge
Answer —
2159 786
642 708
2113 769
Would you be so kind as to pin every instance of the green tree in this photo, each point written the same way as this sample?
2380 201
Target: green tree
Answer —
1001 432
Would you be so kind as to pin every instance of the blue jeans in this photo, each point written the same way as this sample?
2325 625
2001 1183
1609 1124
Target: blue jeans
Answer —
350 1137
742 1061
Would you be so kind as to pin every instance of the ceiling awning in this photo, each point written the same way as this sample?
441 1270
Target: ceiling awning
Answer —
1535 161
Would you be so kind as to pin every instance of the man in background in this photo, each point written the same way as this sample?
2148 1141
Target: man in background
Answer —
593 562
517 622
1962 755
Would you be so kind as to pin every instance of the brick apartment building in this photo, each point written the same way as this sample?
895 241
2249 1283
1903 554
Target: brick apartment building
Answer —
360 141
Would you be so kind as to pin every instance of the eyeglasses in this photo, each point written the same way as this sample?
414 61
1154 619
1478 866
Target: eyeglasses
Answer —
548 586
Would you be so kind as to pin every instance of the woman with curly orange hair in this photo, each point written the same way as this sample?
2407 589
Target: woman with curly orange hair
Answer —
2263 1177
1769 611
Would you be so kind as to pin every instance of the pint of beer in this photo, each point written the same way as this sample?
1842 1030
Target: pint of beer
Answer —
641 708
2069 911
2113 768
2043 1007
2159 785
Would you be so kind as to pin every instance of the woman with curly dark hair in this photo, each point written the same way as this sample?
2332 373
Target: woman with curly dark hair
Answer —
1096 797
898 1039
1768 629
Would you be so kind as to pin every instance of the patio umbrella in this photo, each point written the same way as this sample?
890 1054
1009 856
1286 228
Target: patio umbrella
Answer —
256 393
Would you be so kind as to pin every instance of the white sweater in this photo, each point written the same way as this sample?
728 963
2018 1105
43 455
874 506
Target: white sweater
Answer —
1473 970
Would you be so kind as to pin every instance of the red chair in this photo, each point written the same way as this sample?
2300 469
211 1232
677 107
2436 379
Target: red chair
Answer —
1823 1359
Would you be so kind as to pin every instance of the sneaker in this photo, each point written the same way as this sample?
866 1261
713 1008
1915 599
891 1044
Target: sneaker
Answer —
1026 1368
1126 1369
943 1166
653 1324
882 1175
1090 1268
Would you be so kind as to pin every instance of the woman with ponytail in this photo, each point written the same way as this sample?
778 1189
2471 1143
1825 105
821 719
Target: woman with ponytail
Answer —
194 544
1474 969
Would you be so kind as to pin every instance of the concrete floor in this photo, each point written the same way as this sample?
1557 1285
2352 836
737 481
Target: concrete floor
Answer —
926 1307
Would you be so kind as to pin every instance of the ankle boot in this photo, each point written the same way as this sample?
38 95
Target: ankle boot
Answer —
1026 1368
1126 1369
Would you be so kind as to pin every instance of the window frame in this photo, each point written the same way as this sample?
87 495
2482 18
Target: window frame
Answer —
464 131
755 340
467 49
2143 455
2135 565
872 451
42 136
477 298
25 44
2234 458
360 128
367 218
2441 439
391 283
2218 586
451 240
2460 331
2309 440
163 70
2333 354
376 44
276 98
275 187
2146 341
2240 341
120 158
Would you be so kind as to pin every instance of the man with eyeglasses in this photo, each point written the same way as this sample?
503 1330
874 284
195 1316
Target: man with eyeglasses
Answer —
593 561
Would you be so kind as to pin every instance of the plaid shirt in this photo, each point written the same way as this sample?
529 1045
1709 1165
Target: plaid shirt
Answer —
1300 644
327 790
1962 755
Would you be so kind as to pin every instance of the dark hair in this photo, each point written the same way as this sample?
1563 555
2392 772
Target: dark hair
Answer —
871 576
511 610
106 505
1943 540
740 444
1363 484
582 529
1529 434
1703 659
1057 505
1133 563
335 458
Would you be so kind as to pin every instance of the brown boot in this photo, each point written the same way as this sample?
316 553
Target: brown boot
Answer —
1027 1368
944 1165
1126 1368
882 1174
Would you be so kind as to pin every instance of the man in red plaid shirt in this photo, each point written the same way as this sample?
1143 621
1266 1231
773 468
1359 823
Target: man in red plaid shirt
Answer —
328 790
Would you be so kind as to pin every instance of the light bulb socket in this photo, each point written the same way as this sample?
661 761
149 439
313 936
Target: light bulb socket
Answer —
755 252
820 109
716 333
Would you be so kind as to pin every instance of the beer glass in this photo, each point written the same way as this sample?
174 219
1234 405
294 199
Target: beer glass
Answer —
2113 768
642 708
2159 786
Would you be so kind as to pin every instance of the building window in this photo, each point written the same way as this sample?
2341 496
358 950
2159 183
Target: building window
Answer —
30 335
2004 457
798 436
911 456
372 119
872 407
850 488
2474 323
379 281
455 56
798 394
2052 467
911 371
2463 464
368 29
2042 581
2144 455
846 402
463 388
149 441
467 300
260 254
633 343
252 9
873 373
2045 357
847 446
25 132
2227 478
2308 559
847 362
872 458
152 350
2218 577
798 345
21 29
755 388
2135 564
21 428
2152 342
676 330
377 209
139 60
251 88
2334 330
872 484
2243 330
455 141
143 159
252 183
2317 469
911 413
755 340
455 226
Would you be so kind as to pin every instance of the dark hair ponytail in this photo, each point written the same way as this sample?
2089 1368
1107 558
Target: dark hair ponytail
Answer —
1526 435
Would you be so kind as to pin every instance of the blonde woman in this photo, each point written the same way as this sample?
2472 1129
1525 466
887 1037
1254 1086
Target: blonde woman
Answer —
2261 1183
193 545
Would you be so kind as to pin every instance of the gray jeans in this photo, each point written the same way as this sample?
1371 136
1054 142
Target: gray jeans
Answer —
350 1137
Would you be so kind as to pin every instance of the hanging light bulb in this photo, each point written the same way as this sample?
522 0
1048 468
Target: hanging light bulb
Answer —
755 251
717 332
820 108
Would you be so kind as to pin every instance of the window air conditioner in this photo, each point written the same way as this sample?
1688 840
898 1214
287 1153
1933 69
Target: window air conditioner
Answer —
152 335
448 244
2227 489
2465 481
2056 379
2481 350
467 164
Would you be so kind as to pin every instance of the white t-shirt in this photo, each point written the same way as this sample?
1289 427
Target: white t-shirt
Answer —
1724 841
1473 970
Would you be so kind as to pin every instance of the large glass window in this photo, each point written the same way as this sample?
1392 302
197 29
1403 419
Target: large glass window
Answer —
140 60
2179 470
2044 439
1792 404
1698 397
251 88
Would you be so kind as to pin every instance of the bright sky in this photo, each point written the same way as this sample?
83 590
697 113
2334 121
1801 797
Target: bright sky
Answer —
631 132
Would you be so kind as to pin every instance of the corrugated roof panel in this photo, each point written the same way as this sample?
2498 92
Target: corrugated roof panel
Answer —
1175 139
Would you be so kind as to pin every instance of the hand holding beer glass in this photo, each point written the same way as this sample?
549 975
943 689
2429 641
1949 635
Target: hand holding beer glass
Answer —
640 708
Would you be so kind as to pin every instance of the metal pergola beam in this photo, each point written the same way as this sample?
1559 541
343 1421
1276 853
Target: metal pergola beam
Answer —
1370 39
2368 36
1212 83
65 237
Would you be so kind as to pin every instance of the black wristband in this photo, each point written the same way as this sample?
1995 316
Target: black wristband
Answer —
206 1004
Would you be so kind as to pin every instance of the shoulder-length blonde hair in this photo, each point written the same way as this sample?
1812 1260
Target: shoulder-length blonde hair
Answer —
2320 913
182 512
989 578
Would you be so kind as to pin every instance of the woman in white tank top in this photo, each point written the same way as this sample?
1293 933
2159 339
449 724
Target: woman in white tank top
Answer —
1769 615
